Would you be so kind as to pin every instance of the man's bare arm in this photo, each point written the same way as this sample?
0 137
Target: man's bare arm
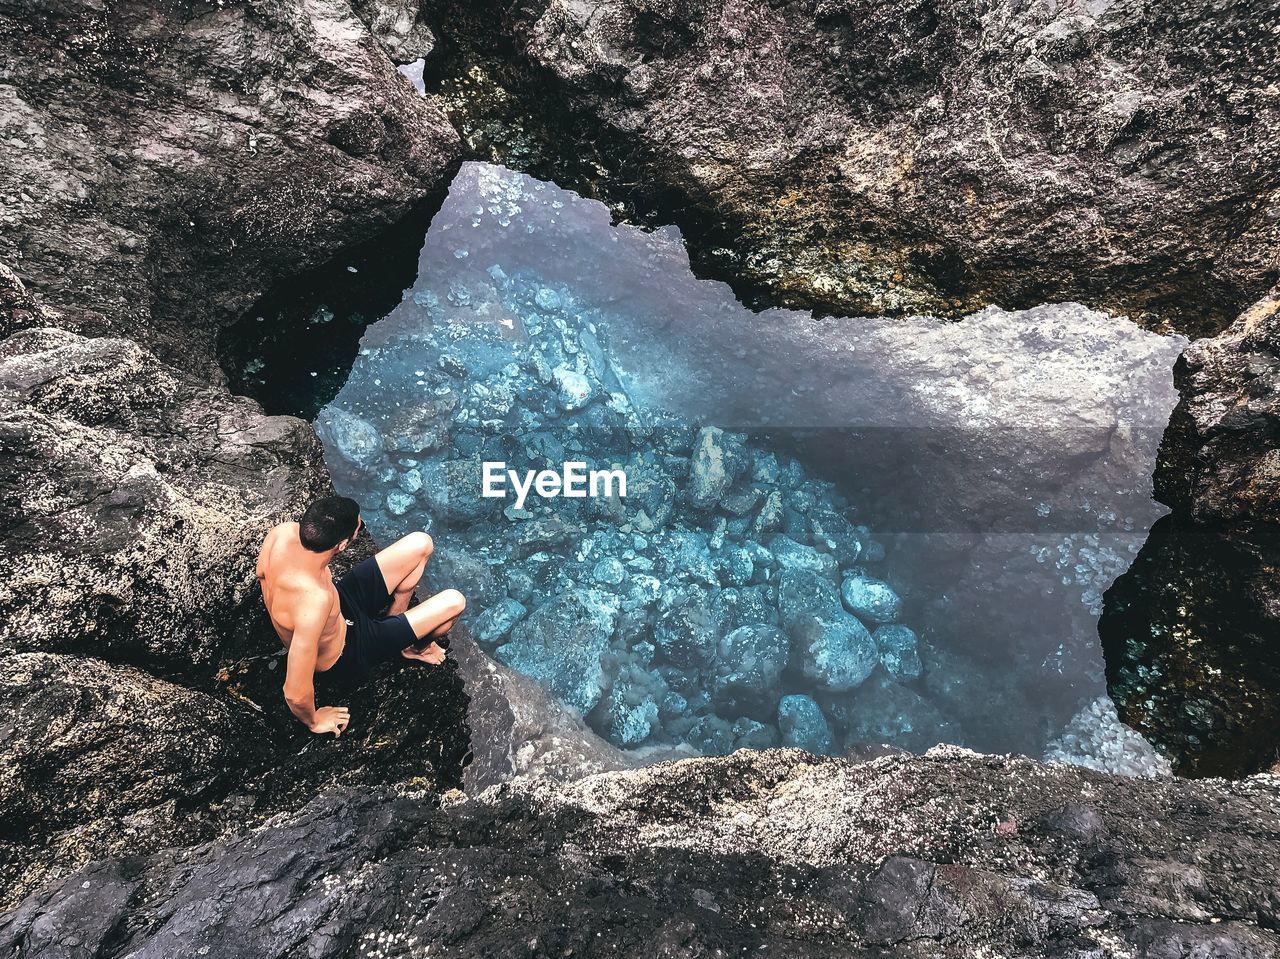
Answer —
299 681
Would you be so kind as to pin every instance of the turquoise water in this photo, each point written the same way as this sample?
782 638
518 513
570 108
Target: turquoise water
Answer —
835 533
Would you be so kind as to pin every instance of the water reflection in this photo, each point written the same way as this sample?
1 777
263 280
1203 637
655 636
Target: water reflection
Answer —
835 532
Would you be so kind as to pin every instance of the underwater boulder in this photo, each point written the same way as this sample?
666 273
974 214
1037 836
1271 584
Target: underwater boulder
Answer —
498 620
841 656
355 439
734 565
561 642
684 554
870 598
451 489
885 712
748 668
804 597
689 625
716 461
793 555
899 651
573 389
836 650
710 735
803 725
750 734
630 714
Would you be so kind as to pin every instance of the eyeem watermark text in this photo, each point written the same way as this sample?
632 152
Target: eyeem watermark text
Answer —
574 481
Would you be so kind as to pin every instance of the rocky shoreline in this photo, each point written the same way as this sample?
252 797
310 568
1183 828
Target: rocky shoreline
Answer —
775 852
162 165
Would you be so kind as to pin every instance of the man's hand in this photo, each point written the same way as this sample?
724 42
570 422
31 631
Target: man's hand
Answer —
331 719
432 654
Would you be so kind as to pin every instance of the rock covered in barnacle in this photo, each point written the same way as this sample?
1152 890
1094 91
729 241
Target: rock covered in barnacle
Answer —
831 858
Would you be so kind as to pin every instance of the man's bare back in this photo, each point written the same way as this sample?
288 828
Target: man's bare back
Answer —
352 625
290 583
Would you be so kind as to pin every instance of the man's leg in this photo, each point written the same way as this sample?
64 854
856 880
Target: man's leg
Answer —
433 618
402 564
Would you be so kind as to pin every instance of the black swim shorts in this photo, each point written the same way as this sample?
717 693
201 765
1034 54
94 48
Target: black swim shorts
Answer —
372 637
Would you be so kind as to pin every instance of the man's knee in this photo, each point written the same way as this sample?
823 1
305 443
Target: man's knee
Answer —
453 602
420 543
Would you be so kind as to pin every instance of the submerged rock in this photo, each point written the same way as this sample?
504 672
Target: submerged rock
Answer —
802 724
713 467
688 627
899 653
356 440
561 642
836 650
872 599
748 668
497 621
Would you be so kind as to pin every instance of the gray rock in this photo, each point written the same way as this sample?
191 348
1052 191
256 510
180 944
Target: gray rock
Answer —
802 725
561 642
689 625
748 118
982 830
793 555
748 668
710 469
609 572
1200 600
94 753
872 599
835 648
573 389
114 464
899 653
356 440
244 183
498 620
631 714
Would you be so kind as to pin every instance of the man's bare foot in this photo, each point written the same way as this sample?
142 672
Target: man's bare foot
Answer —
432 655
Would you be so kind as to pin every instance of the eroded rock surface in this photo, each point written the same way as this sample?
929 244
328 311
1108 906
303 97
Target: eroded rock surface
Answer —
1193 630
864 156
107 760
163 163
949 855
134 498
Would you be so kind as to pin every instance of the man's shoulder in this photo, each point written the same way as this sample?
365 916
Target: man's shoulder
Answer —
287 528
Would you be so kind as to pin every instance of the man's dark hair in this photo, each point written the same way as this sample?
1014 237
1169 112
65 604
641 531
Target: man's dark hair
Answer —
327 522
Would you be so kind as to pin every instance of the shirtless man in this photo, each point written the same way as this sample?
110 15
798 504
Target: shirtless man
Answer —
352 625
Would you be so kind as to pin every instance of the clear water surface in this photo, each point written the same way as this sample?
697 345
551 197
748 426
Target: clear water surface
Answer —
837 533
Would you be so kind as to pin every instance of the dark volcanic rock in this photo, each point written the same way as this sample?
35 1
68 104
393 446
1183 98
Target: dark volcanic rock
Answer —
928 157
948 855
1192 632
132 501
106 760
160 166
162 163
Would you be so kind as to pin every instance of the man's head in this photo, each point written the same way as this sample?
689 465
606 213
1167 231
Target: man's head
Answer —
328 522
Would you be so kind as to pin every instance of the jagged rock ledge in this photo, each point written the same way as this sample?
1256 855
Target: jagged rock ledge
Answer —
905 157
1190 632
777 853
